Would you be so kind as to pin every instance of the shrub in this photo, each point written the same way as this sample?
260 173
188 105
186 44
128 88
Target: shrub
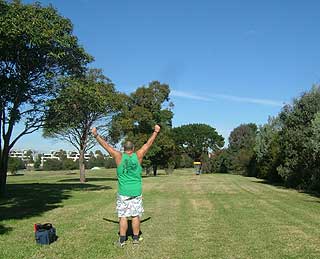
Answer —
52 165
15 164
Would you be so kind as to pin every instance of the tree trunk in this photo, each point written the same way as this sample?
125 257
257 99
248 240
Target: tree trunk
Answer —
3 181
155 167
148 169
82 167
3 171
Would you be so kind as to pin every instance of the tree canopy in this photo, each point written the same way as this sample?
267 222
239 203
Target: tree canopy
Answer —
82 103
241 149
267 150
143 109
36 47
298 140
196 139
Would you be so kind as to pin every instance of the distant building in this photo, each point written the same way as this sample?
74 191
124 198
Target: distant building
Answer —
74 155
22 154
48 156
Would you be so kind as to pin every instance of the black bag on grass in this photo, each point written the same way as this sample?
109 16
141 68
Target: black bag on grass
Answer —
45 234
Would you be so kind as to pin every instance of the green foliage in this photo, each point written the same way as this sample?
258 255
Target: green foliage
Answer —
206 165
243 136
109 163
29 154
96 162
163 151
267 150
69 164
37 162
62 154
15 164
82 103
221 161
241 149
52 165
315 137
63 163
143 109
100 160
284 149
183 161
196 139
36 47
171 164
298 141
147 165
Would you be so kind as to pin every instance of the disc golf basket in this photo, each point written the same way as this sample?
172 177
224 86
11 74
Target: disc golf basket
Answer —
197 167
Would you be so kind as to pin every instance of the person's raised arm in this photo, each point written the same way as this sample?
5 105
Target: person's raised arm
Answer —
144 149
114 153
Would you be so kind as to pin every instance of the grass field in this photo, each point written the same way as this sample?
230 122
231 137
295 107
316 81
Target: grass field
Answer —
207 216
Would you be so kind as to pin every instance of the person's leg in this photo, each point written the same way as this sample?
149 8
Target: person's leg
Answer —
123 226
136 229
136 225
136 210
123 223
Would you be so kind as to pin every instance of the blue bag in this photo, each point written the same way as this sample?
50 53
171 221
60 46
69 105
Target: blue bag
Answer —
45 234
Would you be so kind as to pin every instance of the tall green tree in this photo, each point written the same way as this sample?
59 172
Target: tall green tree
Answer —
299 141
83 103
241 149
143 109
36 46
267 150
197 139
221 161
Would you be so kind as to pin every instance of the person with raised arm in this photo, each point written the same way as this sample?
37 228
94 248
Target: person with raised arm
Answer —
129 172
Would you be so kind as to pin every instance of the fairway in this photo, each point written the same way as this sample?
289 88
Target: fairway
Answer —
206 216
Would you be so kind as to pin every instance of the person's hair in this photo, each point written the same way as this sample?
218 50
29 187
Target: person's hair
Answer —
128 146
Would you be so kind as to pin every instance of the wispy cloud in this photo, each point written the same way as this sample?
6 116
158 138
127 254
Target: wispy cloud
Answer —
213 97
189 96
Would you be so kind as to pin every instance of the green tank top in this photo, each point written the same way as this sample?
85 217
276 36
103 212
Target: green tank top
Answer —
129 175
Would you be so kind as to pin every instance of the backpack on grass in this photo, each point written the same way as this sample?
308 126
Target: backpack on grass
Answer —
45 234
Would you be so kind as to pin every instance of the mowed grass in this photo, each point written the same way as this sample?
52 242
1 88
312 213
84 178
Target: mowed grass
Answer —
207 216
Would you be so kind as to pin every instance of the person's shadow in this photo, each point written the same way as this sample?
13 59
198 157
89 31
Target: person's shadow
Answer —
129 230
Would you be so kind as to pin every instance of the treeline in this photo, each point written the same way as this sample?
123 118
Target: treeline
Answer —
286 149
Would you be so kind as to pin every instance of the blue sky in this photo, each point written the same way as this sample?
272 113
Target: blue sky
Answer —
226 62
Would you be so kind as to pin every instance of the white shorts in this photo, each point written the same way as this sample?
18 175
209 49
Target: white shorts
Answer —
128 206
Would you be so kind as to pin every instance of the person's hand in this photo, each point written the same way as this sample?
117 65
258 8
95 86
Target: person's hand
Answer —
157 128
94 132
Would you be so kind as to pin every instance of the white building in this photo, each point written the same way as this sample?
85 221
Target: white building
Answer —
74 155
48 156
22 154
